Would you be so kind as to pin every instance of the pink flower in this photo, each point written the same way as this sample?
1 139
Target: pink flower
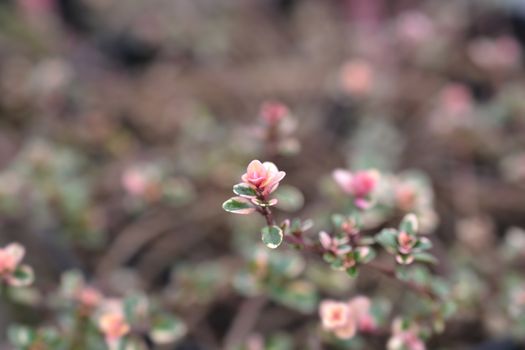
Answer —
337 317
414 27
89 297
264 177
113 325
345 319
11 271
360 184
495 54
10 258
407 338
456 99
357 77
272 112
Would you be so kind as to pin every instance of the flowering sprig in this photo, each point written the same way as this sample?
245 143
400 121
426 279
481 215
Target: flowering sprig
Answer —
405 243
253 195
12 272
347 248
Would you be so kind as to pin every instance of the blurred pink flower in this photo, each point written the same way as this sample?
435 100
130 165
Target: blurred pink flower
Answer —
89 297
272 112
456 99
10 258
113 325
414 27
360 184
494 54
11 271
264 177
134 182
36 6
404 339
357 77
345 319
337 317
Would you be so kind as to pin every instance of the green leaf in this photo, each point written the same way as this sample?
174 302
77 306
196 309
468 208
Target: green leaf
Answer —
167 329
272 236
20 336
244 190
425 257
22 276
300 295
136 307
352 271
388 239
409 224
337 220
423 244
329 257
238 205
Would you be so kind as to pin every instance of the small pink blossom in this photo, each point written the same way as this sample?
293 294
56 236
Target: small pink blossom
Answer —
272 112
345 319
456 100
357 77
495 54
360 184
406 197
10 258
414 27
113 325
337 317
264 177
89 297
402 339
10 267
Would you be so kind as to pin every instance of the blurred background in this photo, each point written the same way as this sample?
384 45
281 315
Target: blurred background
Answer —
124 124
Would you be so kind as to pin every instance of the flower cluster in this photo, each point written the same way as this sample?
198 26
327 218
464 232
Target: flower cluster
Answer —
11 271
405 243
345 319
360 185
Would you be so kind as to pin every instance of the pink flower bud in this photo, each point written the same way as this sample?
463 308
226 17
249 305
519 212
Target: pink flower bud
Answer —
89 297
272 112
456 100
113 325
264 177
406 242
10 258
360 184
